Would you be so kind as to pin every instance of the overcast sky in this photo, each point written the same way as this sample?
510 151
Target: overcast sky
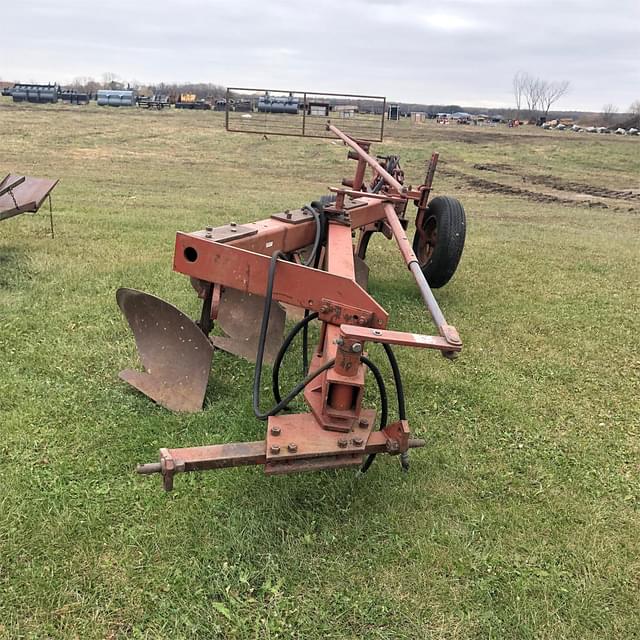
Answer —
460 51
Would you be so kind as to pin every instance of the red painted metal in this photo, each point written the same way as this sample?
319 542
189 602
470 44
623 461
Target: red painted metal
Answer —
338 430
295 284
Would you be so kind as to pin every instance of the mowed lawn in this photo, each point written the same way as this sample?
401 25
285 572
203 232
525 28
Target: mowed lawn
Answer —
519 519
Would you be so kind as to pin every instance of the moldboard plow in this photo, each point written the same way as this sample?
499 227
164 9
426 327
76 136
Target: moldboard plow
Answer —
305 259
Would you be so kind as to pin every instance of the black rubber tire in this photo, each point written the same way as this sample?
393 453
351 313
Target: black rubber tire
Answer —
450 224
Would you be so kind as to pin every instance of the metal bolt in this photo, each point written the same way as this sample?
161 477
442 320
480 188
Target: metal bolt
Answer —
275 449
358 441
208 235
289 215
363 423
275 431
377 332
209 229
343 442
356 348
232 224
292 447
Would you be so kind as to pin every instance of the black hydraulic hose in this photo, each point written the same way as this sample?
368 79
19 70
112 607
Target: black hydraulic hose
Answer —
384 402
305 344
314 258
260 354
397 379
290 396
392 164
283 350
315 250
402 411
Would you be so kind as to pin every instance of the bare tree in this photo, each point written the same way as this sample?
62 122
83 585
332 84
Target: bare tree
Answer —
634 110
533 88
111 80
536 93
518 90
550 93
609 112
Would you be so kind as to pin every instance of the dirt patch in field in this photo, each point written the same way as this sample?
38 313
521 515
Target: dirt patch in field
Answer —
579 188
490 186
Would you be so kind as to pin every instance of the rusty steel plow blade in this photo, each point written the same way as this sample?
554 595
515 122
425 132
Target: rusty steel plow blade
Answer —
175 353
240 317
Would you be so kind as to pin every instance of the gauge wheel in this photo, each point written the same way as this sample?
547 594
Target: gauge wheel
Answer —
439 244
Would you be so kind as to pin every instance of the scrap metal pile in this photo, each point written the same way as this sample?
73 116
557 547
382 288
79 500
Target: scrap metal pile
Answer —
304 259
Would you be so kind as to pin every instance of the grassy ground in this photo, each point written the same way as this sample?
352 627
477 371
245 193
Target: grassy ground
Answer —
518 520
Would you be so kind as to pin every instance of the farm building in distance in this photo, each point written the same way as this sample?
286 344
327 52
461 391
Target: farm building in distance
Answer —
346 110
318 108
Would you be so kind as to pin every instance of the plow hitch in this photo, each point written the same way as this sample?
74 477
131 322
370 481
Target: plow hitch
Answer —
304 264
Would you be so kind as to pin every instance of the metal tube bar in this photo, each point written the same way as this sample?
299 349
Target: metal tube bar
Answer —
237 454
400 234
370 160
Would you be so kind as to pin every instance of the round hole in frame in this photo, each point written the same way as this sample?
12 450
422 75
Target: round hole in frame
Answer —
190 254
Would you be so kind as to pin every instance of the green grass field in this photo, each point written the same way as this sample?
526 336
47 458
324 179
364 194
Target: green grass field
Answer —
519 519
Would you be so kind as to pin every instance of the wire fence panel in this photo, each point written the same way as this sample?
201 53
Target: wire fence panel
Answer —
304 113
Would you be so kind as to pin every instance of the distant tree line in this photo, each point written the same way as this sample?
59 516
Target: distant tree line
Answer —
112 81
610 116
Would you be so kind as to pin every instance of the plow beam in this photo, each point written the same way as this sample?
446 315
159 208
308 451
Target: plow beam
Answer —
294 284
239 454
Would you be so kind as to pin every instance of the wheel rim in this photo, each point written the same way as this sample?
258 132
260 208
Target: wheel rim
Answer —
428 240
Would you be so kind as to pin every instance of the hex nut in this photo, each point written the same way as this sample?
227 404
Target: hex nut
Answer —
363 423
275 431
275 449
292 447
358 441
343 442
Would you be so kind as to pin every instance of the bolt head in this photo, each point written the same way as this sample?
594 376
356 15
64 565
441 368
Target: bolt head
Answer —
289 215
232 224
363 423
358 441
275 431
292 447
343 442
275 449
356 348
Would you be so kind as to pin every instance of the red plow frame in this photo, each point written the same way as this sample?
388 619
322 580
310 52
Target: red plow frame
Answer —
265 259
